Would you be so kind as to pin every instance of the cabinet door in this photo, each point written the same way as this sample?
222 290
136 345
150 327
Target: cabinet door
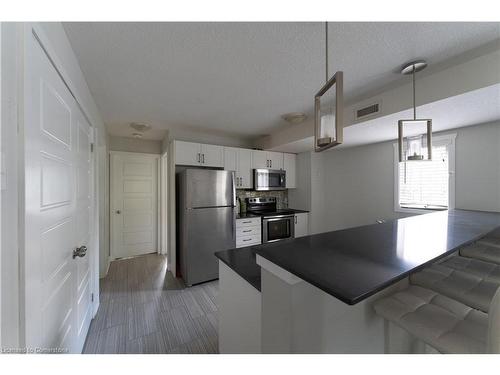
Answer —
275 159
289 165
187 153
245 172
260 159
212 156
230 159
301 225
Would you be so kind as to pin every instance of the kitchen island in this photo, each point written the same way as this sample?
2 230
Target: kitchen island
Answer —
317 291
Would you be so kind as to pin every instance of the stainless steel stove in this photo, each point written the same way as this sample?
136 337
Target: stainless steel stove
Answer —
277 224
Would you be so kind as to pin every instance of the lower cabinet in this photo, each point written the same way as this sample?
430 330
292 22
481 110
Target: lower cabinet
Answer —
248 232
301 224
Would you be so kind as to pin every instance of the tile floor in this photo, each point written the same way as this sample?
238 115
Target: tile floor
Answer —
144 309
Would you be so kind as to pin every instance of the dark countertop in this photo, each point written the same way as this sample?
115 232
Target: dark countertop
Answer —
355 263
242 261
245 215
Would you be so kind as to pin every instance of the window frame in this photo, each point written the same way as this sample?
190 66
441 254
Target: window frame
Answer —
447 140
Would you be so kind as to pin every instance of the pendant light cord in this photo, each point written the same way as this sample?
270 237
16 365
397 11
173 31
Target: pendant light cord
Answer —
414 104
326 50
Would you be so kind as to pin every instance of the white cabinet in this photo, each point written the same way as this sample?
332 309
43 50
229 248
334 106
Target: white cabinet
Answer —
275 160
289 165
239 160
260 159
212 156
267 159
301 224
248 232
189 153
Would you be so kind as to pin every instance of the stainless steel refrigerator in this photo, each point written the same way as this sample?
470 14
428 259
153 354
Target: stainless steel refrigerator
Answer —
206 219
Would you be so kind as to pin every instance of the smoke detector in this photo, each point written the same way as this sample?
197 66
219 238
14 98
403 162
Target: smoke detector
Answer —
294 117
140 127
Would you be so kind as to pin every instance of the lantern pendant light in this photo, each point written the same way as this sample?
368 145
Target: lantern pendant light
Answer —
328 109
414 136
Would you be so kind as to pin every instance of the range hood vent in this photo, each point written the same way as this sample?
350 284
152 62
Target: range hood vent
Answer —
370 110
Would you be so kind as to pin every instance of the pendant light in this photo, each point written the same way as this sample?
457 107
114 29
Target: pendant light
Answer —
414 136
328 108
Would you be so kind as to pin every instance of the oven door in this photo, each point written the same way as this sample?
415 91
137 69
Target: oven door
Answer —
277 228
269 179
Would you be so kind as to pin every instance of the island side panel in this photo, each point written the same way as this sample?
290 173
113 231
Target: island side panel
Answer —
239 306
300 318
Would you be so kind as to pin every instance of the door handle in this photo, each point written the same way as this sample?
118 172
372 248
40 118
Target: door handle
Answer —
80 252
118 212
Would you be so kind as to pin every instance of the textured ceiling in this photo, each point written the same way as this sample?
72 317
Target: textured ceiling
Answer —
241 77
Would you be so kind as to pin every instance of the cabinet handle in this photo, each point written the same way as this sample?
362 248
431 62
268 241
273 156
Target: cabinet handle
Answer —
246 222
241 181
248 239
246 231
271 163
203 156
295 219
198 157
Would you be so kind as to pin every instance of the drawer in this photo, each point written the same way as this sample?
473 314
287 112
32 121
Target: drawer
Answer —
248 240
248 222
248 231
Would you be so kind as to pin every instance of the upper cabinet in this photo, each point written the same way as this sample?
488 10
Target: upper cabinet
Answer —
267 160
289 165
239 160
189 153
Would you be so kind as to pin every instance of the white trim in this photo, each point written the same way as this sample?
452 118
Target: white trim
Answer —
164 203
444 139
111 201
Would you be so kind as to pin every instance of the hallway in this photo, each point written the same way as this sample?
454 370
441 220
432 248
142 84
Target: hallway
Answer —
145 310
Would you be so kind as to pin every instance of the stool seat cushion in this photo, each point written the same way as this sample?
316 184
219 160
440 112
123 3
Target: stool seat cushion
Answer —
446 324
482 251
472 289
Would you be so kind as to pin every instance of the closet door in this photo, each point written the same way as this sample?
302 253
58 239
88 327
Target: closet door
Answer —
58 207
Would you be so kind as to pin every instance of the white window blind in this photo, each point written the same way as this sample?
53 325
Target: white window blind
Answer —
425 184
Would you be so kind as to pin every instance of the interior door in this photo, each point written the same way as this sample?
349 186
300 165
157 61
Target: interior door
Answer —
134 209
58 205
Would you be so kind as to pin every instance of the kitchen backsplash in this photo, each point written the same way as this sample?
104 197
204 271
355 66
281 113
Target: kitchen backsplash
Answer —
281 196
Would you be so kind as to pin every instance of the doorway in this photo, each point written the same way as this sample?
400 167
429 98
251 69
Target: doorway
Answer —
134 208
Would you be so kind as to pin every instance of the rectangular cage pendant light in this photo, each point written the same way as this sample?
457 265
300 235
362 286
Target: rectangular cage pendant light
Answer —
328 114
329 108
414 136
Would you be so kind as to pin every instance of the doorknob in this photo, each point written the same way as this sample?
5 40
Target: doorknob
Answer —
80 252
118 212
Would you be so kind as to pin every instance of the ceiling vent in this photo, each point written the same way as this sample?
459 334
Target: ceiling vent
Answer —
367 111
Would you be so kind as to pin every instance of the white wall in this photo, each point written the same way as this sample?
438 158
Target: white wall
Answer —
135 145
355 186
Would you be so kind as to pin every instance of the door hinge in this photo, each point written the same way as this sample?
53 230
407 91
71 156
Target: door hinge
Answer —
92 297
91 147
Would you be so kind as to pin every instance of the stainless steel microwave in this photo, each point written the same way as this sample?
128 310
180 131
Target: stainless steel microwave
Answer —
269 179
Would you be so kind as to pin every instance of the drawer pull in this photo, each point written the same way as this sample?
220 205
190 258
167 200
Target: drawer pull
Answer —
248 239
246 222
246 231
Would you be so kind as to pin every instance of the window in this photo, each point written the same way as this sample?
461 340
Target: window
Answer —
426 185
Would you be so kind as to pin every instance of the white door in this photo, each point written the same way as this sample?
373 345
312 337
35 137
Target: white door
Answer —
212 156
134 208
289 165
58 206
275 160
187 153
245 168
